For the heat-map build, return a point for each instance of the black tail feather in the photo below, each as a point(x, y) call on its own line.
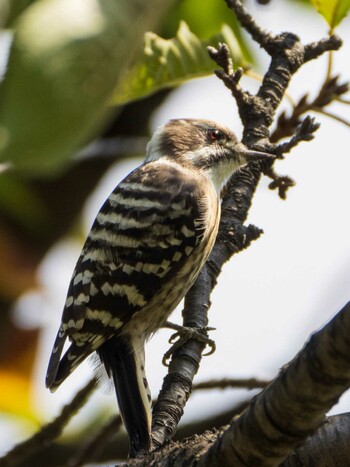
point(54, 362)
point(124, 361)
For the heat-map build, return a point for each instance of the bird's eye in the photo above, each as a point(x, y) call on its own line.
point(215, 135)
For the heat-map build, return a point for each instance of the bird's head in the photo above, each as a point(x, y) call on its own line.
point(202, 145)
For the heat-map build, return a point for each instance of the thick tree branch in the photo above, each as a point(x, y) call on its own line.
point(116, 446)
point(282, 416)
point(329, 446)
point(294, 405)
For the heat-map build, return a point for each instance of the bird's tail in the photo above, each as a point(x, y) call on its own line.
point(59, 369)
point(124, 360)
point(54, 362)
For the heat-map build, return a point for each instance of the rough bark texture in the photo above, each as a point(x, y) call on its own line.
point(329, 446)
point(283, 415)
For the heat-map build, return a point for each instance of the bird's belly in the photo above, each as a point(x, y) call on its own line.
point(156, 312)
point(154, 315)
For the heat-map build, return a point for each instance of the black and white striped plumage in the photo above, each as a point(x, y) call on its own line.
point(143, 253)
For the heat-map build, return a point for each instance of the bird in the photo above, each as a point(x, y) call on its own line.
point(144, 251)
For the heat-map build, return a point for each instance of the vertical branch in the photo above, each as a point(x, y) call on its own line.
point(257, 113)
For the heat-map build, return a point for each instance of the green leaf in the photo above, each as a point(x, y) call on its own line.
point(66, 59)
point(333, 11)
point(169, 62)
point(205, 20)
point(11, 9)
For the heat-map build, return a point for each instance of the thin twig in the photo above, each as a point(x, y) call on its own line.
point(329, 92)
point(333, 116)
point(343, 101)
point(50, 431)
point(329, 65)
point(96, 444)
point(250, 383)
point(281, 183)
point(259, 34)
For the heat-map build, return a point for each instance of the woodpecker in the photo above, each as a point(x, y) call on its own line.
point(145, 249)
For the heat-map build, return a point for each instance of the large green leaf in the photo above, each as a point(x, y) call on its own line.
point(333, 11)
point(169, 62)
point(66, 58)
point(11, 9)
point(205, 20)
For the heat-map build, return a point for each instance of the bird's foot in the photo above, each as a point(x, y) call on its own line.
point(184, 334)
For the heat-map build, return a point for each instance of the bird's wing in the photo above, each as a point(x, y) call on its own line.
point(143, 234)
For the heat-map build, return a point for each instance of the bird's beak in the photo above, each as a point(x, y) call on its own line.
point(249, 155)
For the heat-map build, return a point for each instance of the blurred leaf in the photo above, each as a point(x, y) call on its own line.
point(333, 11)
point(205, 20)
point(11, 9)
point(67, 56)
point(46, 209)
point(166, 63)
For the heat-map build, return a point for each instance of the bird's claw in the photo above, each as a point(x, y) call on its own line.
point(184, 334)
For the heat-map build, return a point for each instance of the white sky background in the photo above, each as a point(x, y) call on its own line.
point(270, 298)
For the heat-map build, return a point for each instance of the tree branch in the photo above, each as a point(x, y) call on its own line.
point(251, 383)
point(329, 446)
point(282, 416)
point(96, 444)
point(286, 126)
point(257, 113)
point(294, 405)
point(50, 431)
